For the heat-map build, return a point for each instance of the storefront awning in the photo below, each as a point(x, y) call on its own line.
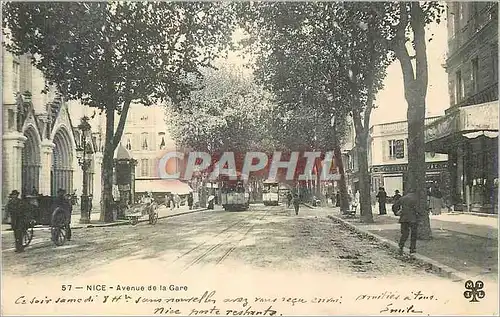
point(465, 122)
point(162, 186)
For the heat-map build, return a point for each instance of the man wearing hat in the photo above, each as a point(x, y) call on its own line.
point(64, 203)
point(18, 220)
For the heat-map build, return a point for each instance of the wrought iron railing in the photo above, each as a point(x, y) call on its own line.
point(488, 94)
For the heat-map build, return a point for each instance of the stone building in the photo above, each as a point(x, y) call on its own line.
point(147, 139)
point(468, 132)
point(388, 158)
point(38, 139)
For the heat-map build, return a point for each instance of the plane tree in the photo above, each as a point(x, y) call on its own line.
point(325, 46)
point(111, 54)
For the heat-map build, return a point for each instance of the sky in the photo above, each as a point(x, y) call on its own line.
point(390, 102)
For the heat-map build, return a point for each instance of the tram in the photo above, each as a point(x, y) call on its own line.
point(234, 194)
point(270, 193)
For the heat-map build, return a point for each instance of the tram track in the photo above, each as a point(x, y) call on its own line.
point(232, 225)
point(237, 227)
point(235, 245)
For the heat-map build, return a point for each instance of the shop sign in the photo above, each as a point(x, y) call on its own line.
point(479, 117)
point(399, 168)
point(441, 127)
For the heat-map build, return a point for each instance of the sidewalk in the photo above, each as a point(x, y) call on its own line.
point(163, 212)
point(465, 243)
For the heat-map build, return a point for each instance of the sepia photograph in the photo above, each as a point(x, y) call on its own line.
point(249, 158)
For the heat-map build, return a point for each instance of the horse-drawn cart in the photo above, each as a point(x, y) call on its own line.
point(44, 211)
point(139, 210)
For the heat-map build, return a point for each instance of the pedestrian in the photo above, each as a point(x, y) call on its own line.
point(355, 202)
point(395, 198)
point(177, 200)
point(337, 199)
point(296, 204)
point(190, 201)
point(435, 200)
point(211, 202)
point(406, 208)
point(65, 205)
point(18, 219)
point(289, 198)
point(382, 198)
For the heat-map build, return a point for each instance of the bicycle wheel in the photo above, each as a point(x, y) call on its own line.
point(27, 236)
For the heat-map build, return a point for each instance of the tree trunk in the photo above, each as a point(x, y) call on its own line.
point(416, 163)
point(415, 83)
point(344, 199)
point(365, 203)
point(107, 169)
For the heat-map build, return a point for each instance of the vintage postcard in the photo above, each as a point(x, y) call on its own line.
point(249, 158)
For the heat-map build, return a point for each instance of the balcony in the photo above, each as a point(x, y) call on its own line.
point(488, 94)
point(475, 25)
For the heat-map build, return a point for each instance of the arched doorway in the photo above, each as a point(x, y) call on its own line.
point(62, 158)
point(30, 162)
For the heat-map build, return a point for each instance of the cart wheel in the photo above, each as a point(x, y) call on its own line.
point(134, 220)
point(27, 236)
point(58, 235)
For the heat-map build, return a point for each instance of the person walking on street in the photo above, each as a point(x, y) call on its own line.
point(18, 219)
point(296, 204)
point(382, 198)
point(355, 202)
point(337, 199)
point(190, 201)
point(395, 198)
point(435, 198)
point(65, 205)
point(289, 199)
point(406, 208)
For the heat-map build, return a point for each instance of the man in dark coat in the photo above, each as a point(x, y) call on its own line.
point(62, 202)
point(296, 203)
point(18, 219)
point(406, 208)
point(382, 198)
point(190, 201)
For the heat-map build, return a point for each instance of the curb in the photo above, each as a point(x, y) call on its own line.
point(439, 268)
point(126, 222)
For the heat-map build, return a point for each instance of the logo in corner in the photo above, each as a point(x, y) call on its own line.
point(474, 291)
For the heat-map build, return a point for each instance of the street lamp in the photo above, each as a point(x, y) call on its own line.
point(84, 160)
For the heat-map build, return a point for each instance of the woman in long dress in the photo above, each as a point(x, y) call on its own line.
point(435, 201)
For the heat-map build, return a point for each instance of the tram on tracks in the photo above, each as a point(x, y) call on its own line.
point(270, 193)
point(235, 195)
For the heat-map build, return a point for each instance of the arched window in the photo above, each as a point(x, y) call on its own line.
point(128, 141)
point(145, 141)
point(162, 140)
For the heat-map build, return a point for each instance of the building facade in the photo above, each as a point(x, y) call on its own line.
point(468, 132)
point(38, 135)
point(388, 159)
point(147, 139)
